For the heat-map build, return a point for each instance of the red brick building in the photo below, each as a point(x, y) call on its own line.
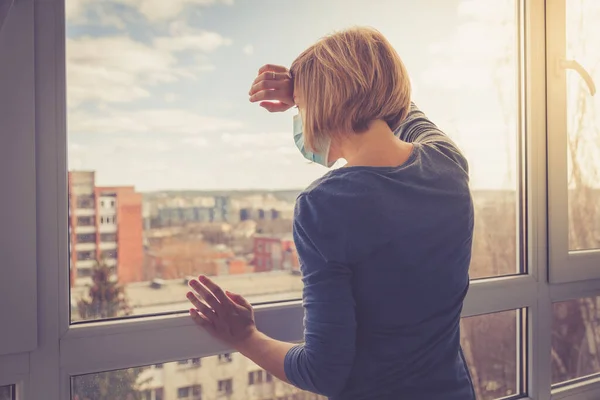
point(105, 223)
point(274, 253)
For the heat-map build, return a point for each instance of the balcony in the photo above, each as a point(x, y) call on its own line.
point(85, 212)
point(83, 264)
point(107, 245)
point(111, 262)
point(107, 228)
point(85, 229)
point(85, 246)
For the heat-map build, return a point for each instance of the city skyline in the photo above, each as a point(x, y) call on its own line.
point(158, 99)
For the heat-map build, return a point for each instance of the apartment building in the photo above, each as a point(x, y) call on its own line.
point(275, 252)
point(225, 376)
point(105, 223)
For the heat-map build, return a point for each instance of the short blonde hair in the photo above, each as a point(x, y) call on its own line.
point(346, 81)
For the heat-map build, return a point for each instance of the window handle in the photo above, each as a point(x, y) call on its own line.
point(575, 66)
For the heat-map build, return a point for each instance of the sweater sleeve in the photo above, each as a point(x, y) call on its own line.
point(417, 128)
point(323, 363)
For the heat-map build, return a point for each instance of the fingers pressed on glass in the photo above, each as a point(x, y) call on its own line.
point(201, 319)
point(199, 304)
point(215, 290)
point(206, 295)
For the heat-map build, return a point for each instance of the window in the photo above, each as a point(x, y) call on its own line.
point(225, 386)
point(84, 272)
point(86, 238)
point(483, 119)
point(108, 237)
point(225, 358)
point(197, 392)
point(183, 393)
point(194, 362)
point(7, 393)
point(255, 377)
point(85, 202)
point(185, 384)
point(86, 255)
point(85, 221)
point(490, 346)
point(575, 337)
point(108, 254)
point(137, 127)
point(574, 140)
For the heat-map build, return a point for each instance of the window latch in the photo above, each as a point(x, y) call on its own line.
point(575, 66)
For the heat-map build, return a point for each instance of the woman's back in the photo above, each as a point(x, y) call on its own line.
point(403, 236)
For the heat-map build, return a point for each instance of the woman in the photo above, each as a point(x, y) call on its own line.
point(384, 242)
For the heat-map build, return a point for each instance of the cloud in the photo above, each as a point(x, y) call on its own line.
point(171, 97)
point(196, 141)
point(77, 11)
point(266, 147)
point(118, 69)
point(263, 140)
point(248, 50)
point(202, 41)
point(115, 69)
point(481, 53)
point(162, 10)
point(170, 121)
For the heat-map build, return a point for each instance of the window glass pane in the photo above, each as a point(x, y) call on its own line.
point(7, 392)
point(174, 173)
point(489, 344)
point(575, 339)
point(583, 122)
point(213, 380)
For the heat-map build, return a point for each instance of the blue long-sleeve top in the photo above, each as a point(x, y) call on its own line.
point(384, 255)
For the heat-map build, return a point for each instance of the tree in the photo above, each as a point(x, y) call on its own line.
point(106, 299)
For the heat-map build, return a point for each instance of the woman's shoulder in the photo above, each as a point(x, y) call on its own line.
point(346, 201)
point(338, 190)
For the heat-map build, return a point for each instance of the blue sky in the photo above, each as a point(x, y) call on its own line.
point(158, 90)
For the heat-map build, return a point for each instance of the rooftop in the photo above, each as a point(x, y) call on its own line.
point(169, 295)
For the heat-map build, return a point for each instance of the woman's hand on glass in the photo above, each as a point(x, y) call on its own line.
point(273, 88)
point(226, 316)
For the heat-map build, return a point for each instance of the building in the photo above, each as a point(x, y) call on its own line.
point(225, 376)
point(105, 224)
point(275, 252)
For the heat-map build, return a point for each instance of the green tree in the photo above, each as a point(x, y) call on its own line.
point(106, 299)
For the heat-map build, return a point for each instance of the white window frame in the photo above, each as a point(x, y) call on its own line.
point(18, 295)
point(44, 369)
point(565, 265)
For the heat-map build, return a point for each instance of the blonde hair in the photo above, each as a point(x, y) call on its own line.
point(346, 81)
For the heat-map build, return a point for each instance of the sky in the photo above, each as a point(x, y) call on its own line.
point(158, 90)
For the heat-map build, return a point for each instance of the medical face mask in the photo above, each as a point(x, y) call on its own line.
point(309, 155)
